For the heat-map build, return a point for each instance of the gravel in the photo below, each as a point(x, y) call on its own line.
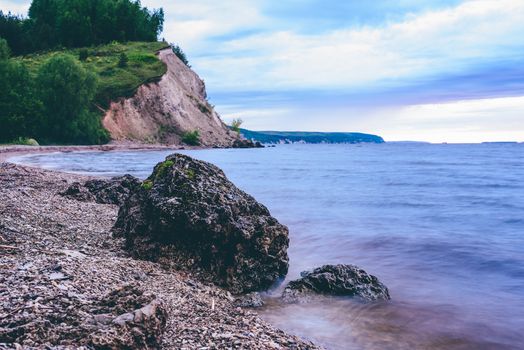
point(65, 282)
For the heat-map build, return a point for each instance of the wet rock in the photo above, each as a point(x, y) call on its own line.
point(338, 280)
point(188, 213)
point(110, 191)
point(244, 143)
point(252, 300)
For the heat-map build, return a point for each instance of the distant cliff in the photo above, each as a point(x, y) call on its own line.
point(161, 112)
point(309, 137)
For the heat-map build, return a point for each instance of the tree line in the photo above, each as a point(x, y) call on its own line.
point(55, 104)
point(53, 107)
point(78, 23)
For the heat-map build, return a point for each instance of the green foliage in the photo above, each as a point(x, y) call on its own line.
point(113, 82)
point(191, 138)
point(190, 174)
point(122, 61)
point(66, 90)
point(147, 185)
point(20, 107)
point(235, 125)
point(78, 23)
point(177, 50)
point(4, 50)
point(83, 54)
point(162, 168)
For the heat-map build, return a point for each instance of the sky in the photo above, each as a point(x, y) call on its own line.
point(427, 70)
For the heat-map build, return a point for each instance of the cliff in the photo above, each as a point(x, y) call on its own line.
point(161, 112)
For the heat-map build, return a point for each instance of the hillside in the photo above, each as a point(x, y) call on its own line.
point(309, 137)
point(167, 110)
point(114, 80)
point(151, 97)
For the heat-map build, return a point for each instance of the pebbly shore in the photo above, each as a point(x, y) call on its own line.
point(66, 282)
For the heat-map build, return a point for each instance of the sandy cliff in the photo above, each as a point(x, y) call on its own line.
point(161, 112)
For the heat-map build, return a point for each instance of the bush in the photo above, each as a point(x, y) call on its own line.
point(177, 50)
point(191, 138)
point(122, 61)
point(27, 141)
point(4, 49)
point(235, 125)
point(83, 54)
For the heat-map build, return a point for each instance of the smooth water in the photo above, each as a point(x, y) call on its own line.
point(441, 225)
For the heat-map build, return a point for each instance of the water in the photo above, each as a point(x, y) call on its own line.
point(441, 225)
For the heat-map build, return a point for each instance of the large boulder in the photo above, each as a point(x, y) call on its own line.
point(338, 280)
point(189, 214)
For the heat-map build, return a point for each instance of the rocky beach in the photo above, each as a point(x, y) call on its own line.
point(67, 282)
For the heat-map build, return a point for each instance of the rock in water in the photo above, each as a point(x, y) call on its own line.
point(340, 280)
point(188, 212)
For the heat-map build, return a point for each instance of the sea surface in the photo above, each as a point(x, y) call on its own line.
point(441, 225)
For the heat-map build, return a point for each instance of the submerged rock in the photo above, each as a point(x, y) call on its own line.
point(189, 214)
point(338, 280)
point(110, 191)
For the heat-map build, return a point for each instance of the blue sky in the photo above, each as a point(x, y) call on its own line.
point(437, 71)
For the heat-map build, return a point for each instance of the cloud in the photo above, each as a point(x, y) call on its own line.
point(465, 121)
point(431, 43)
point(18, 7)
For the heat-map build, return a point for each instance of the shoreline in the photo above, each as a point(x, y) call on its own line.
point(59, 261)
point(8, 151)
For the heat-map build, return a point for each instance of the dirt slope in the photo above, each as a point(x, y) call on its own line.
point(161, 112)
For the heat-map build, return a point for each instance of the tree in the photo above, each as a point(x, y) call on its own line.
point(20, 108)
point(177, 50)
point(66, 90)
point(78, 23)
point(4, 50)
point(235, 125)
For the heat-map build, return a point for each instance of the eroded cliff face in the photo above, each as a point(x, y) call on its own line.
point(161, 112)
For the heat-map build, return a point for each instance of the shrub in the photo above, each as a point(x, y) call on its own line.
point(83, 54)
point(177, 50)
point(147, 185)
point(4, 49)
point(122, 61)
point(191, 138)
point(235, 125)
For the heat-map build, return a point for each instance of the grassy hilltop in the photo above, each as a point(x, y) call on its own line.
point(114, 80)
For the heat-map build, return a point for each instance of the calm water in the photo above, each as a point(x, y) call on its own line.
point(441, 225)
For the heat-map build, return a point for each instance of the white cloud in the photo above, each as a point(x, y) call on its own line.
point(192, 23)
point(492, 119)
point(15, 7)
point(433, 42)
point(495, 119)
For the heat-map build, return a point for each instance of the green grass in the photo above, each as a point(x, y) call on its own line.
point(113, 81)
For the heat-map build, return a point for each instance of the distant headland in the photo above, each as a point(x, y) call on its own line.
point(309, 137)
